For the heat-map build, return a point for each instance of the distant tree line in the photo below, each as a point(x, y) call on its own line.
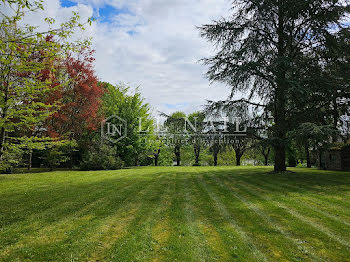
point(289, 59)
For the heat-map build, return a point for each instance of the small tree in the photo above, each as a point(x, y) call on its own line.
point(176, 132)
point(58, 154)
point(136, 113)
point(312, 135)
point(196, 133)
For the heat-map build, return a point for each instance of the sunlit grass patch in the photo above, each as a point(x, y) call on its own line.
point(176, 213)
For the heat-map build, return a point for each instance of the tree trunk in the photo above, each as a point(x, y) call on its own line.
point(239, 151)
point(156, 157)
point(238, 159)
point(308, 160)
point(137, 163)
point(30, 160)
point(2, 141)
point(320, 160)
point(215, 158)
point(266, 162)
point(3, 116)
point(280, 90)
point(178, 160)
point(197, 151)
point(280, 158)
point(178, 155)
point(265, 151)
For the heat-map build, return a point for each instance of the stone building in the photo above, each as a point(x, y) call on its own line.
point(336, 158)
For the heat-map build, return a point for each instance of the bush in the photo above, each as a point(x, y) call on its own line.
point(103, 157)
point(58, 154)
point(10, 159)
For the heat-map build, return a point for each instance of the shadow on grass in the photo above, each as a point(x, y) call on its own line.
point(63, 197)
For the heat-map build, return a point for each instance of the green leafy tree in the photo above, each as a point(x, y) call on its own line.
point(156, 148)
point(264, 47)
point(311, 135)
point(26, 55)
point(132, 108)
point(196, 130)
point(176, 131)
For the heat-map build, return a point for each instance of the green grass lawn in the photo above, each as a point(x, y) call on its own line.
point(176, 214)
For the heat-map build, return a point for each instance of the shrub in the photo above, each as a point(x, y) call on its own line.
point(103, 157)
point(10, 159)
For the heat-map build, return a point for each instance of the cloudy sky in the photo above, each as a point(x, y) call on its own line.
point(150, 44)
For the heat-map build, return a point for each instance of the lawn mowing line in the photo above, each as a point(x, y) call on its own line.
point(60, 223)
point(95, 200)
point(222, 209)
point(304, 187)
point(312, 206)
point(297, 215)
point(65, 221)
point(130, 205)
point(120, 231)
point(43, 202)
point(160, 231)
point(193, 227)
point(202, 249)
point(35, 181)
point(327, 198)
point(138, 238)
point(180, 240)
point(267, 218)
point(223, 240)
point(340, 182)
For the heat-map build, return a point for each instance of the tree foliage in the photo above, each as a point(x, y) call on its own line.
point(266, 50)
point(28, 60)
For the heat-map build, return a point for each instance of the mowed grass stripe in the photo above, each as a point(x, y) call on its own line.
point(308, 206)
point(136, 244)
point(316, 240)
point(290, 245)
point(316, 202)
point(44, 200)
point(334, 179)
point(115, 226)
point(186, 243)
point(316, 185)
point(55, 215)
point(198, 245)
point(175, 214)
point(74, 228)
point(315, 215)
point(218, 241)
point(306, 195)
point(328, 240)
point(254, 249)
point(222, 234)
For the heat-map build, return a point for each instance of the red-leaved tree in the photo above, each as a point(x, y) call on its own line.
point(78, 97)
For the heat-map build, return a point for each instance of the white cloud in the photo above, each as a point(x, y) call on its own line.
point(154, 45)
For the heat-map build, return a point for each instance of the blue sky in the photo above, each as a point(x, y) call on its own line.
point(67, 3)
point(103, 13)
point(150, 44)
